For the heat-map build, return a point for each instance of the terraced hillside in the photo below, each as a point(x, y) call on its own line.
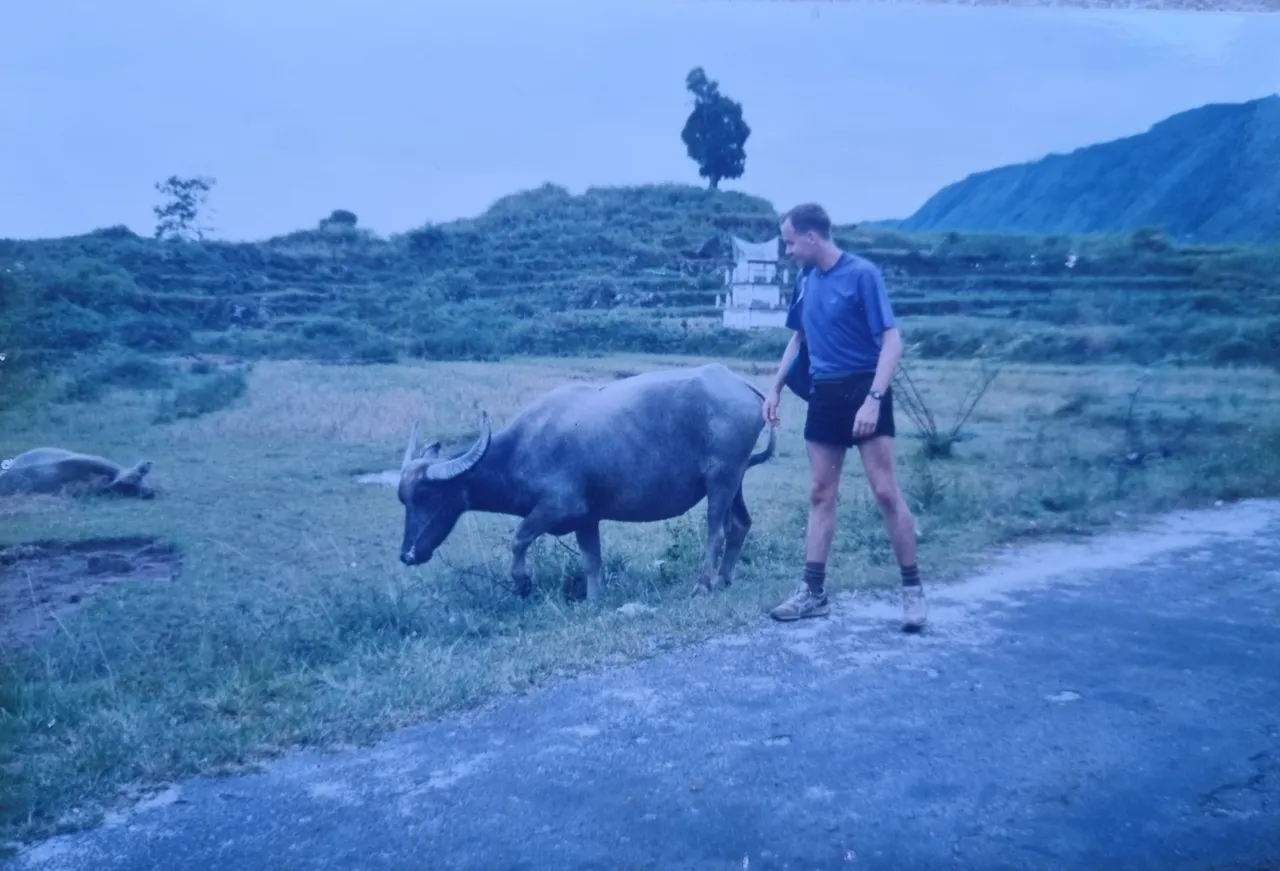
point(617, 269)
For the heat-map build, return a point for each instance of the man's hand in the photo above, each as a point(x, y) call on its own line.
point(864, 424)
point(771, 400)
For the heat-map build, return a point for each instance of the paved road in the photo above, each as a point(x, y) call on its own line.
point(1074, 708)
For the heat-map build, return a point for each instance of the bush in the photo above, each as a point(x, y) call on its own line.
point(212, 393)
point(64, 326)
point(378, 350)
point(116, 368)
point(153, 333)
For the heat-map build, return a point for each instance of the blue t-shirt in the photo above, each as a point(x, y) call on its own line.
point(842, 313)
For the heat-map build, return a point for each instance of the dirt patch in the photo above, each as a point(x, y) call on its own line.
point(42, 582)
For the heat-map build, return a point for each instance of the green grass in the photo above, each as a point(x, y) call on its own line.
point(293, 624)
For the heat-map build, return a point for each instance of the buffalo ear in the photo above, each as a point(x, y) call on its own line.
point(430, 452)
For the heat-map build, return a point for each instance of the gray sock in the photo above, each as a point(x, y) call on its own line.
point(815, 575)
point(910, 575)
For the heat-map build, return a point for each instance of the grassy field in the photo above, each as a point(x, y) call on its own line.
point(290, 622)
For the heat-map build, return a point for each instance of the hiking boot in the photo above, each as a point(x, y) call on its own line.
point(802, 603)
point(913, 608)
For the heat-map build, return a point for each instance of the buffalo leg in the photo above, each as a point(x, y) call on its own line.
point(719, 504)
point(592, 562)
point(538, 522)
point(735, 536)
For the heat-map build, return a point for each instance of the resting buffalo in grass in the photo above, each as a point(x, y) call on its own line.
point(645, 448)
point(54, 470)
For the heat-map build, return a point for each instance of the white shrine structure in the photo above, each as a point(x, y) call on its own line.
point(757, 293)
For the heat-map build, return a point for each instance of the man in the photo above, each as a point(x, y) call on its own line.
point(842, 317)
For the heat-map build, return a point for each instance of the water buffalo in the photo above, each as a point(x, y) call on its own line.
point(644, 448)
point(54, 470)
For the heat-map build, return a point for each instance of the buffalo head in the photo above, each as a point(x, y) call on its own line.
point(433, 492)
point(131, 481)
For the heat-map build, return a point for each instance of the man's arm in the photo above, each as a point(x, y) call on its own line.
point(883, 323)
point(788, 355)
point(887, 364)
point(794, 323)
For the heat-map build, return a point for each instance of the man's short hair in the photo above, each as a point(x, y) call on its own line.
point(808, 217)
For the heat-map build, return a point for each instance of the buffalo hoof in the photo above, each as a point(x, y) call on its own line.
point(710, 585)
point(574, 590)
point(524, 585)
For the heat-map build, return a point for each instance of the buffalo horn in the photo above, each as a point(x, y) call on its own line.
point(448, 469)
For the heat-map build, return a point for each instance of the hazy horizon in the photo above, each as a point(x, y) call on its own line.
point(407, 113)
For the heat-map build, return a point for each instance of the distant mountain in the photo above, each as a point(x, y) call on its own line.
point(1210, 174)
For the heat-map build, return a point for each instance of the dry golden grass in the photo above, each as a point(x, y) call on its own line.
point(293, 623)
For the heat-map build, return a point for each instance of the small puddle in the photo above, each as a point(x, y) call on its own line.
point(390, 478)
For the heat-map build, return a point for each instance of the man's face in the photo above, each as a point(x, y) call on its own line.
point(803, 248)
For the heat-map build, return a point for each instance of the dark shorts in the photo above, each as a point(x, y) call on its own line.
point(834, 404)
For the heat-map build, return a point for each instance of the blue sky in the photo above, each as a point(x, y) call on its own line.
point(406, 111)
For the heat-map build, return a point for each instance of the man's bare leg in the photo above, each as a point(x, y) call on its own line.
point(878, 461)
point(826, 462)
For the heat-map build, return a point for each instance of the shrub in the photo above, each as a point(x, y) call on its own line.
point(116, 368)
point(212, 393)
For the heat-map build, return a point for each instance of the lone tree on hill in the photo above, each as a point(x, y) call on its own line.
point(340, 228)
point(714, 134)
point(176, 219)
point(339, 219)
